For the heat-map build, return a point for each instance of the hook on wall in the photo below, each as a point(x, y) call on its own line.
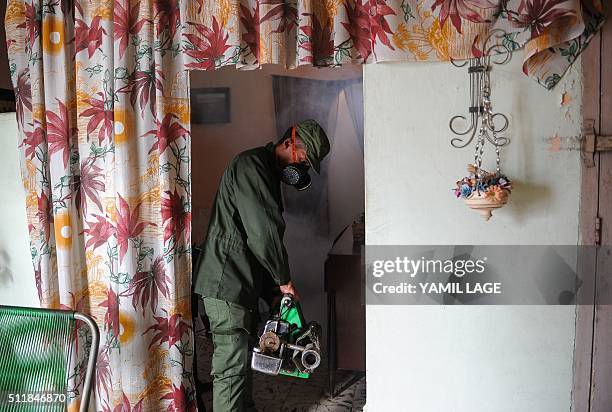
point(495, 50)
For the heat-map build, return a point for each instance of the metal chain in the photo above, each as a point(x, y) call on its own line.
point(486, 125)
point(497, 157)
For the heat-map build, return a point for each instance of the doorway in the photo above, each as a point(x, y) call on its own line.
point(593, 354)
point(235, 110)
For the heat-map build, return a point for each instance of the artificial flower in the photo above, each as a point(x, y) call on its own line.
point(497, 193)
point(465, 190)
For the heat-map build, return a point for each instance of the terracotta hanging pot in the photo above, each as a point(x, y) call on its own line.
point(483, 191)
point(485, 204)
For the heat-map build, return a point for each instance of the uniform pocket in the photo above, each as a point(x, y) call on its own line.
point(239, 317)
point(230, 357)
point(227, 318)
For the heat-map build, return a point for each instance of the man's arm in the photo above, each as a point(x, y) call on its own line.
point(262, 219)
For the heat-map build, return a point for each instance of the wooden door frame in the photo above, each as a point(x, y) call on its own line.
point(592, 362)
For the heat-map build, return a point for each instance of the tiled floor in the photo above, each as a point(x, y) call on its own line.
point(285, 394)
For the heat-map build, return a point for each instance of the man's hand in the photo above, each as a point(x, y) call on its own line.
point(290, 289)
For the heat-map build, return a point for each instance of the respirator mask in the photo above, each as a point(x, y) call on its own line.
point(296, 174)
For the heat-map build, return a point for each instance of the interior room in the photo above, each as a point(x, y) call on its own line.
point(304, 205)
point(323, 224)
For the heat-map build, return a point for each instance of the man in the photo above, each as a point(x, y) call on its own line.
point(244, 246)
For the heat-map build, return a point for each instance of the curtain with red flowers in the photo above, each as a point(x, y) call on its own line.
point(102, 97)
point(103, 112)
point(249, 33)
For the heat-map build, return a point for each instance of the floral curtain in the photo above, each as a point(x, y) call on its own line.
point(249, 33)
point(103, 111)
point(102, 96)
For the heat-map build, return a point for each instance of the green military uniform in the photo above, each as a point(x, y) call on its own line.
point(244, 244)
point(245, 231)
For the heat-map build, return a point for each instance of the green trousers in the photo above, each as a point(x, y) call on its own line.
point(231, 326)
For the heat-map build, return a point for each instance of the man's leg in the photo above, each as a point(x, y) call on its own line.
point(230, 325)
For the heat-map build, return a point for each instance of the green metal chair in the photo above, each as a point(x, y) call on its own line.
point(35, 349)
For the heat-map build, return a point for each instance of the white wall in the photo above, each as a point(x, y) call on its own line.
point(471, 358)
point(17, 285)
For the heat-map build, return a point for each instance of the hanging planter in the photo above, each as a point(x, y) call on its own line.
point(485, 192)
point(482, 191)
